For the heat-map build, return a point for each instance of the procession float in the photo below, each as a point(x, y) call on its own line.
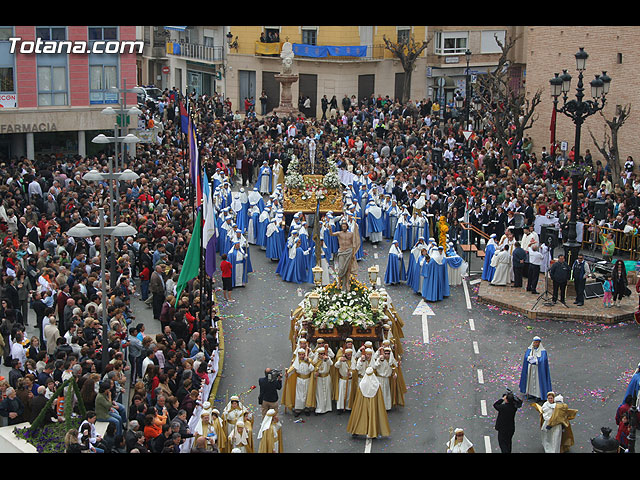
point(359, 313)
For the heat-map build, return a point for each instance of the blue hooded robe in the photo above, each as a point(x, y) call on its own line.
point(395, 272)
point(402, 234)
point(544, 374)
point(634, 385)
point(265, 171)
point(374, 225)
point(413, 267)
point(275, 244)
point(261, 230)
point(435, 285)
point(298, 270)
point(231, 257)
point(487, 270)
point(284, 255)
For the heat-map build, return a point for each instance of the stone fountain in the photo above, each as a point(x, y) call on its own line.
point(286, 79)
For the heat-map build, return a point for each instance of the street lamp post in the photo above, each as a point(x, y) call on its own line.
point(96, 176)
point(477, 112)
point(467, 94)
point(578, 110)
point(122, 114)
point(127, 139)
point(83, 231)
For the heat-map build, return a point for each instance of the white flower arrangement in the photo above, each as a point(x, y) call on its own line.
point(294, 179)
point(331, 179)
point(343, 308)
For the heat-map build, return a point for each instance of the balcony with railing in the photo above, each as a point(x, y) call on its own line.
point(194, 51)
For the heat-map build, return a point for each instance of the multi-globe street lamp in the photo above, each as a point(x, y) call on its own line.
point(577, 110)
point(81, 230)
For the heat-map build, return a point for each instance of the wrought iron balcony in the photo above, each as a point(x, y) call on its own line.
point(195, 51)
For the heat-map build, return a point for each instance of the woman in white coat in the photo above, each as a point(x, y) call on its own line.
point(551, 436)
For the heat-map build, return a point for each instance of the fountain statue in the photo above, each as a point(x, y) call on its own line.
point(286, 79)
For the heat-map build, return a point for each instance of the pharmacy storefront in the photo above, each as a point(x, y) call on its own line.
point(34, 133)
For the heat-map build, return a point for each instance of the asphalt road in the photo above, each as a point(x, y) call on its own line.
point(454, 371)
point(453, 375)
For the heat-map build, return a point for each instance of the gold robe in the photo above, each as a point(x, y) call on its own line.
point(562, 415)
point(337, 377)
point(289, 390)
point(231, 417)
point(398, 387)
point(248, 425)
point(268, 440)
point(218, 427)
point(368, 416)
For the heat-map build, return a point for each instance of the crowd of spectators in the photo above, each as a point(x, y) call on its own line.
point(54, 281)
point(51, 282)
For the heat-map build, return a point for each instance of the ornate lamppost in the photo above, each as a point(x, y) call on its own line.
point(578, 110)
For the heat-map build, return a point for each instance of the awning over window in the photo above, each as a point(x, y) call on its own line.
point(178, 29)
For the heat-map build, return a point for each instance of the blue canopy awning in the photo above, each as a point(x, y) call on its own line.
point(179, 29)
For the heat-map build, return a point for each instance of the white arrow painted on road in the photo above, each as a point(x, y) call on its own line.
point(424, 310)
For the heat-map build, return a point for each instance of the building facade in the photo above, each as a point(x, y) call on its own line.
point(188, 58)
point(52, 102)
point(325, 67)
point(552, 49)
point(54, 83)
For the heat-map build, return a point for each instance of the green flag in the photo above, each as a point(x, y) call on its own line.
point(191, 265)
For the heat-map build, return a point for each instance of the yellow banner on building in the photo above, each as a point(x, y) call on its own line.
point(268, 48)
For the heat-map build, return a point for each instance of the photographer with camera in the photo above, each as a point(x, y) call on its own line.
point(507, 407)
point(269, 386)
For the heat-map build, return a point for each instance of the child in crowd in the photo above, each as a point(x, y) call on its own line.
point(607, 300)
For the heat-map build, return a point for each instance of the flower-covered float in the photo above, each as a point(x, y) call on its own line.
point(302, 192)
point(332, 314)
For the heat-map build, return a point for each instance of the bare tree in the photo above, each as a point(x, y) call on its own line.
point(511, 111)
point(609, 146)
point(407, 50)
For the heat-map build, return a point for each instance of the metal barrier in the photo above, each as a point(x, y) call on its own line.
point(625, 242)
point(470, 247)
point(469, 227)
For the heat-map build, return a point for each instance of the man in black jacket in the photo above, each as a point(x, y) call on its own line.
point(38, 403)
point(559, 274)
point(476, 220)
point(519, 257)
point(269, 386)
point(157, 444)
point(507, 407)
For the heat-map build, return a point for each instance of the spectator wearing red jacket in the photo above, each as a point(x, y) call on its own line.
point(225, 268)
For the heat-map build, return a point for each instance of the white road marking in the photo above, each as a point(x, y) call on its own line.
point(475, 348)
point(480, 376)
point(424, 310)
point(476, 281)
point(472, 325)
point(487, 444)
point(466, 294)
point(483, 408)
point(367, 446)
point(425, 328)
